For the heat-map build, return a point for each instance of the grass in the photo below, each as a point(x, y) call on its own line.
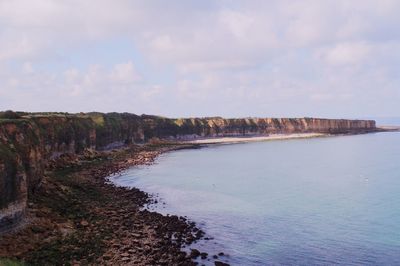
point(18, 121)
point(98, 119)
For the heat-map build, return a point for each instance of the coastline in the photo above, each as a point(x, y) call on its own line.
point(78, 217)
point(30, 140)
point(232, 140)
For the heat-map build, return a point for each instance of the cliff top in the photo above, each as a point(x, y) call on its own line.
point(21, 115)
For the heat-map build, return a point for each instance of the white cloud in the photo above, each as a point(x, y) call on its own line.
point(345, 53)
point(27, 68)
point(125, 73)
point(249, 55)
point(16, 48)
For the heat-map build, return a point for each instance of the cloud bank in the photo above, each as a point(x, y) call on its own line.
point(201, 58)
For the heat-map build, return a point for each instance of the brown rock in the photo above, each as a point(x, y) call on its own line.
point(84, 223)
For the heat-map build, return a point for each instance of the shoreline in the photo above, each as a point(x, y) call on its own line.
point(279, 136)
point(78, 217)
point(245, 139)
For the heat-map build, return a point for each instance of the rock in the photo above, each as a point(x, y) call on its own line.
point(135, 235)
point(220, 263)
point(37, 230)
point(84, 223)
point(204, 255)
point(194, 253)
point(129, 234)
point(37, 140)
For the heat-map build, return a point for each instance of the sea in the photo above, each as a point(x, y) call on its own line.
point(319, 201)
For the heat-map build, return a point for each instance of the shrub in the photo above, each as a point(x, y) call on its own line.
point(9, 115)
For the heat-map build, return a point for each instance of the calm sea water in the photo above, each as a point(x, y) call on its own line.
point(319, 201)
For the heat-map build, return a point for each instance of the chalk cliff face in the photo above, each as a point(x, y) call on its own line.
point(28, 141)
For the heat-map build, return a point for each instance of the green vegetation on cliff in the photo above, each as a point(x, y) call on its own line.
point(29, 140)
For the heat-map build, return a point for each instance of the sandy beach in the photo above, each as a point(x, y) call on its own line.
point(229, 140)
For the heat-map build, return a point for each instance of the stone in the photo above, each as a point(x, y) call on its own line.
point(194, 253)
point(220, 263)
point(203, 255)
point(84, 223)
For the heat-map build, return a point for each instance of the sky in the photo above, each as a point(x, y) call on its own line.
point(331, 58)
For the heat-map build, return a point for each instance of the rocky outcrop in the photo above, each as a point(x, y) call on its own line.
point(29, 141)
point(20, 168)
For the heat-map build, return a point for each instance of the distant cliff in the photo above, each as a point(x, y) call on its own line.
point(28, 141)
point(217, 127)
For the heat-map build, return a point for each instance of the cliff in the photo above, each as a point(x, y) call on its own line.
point(220, 127)
point(29, 140)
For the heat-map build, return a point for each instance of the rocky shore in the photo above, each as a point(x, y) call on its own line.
point(55, 196)
point(29, 141)
point(76, 217)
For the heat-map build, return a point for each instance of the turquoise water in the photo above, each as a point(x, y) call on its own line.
point(319, 201)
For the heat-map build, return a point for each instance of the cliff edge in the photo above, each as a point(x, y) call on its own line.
point(28, 141)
